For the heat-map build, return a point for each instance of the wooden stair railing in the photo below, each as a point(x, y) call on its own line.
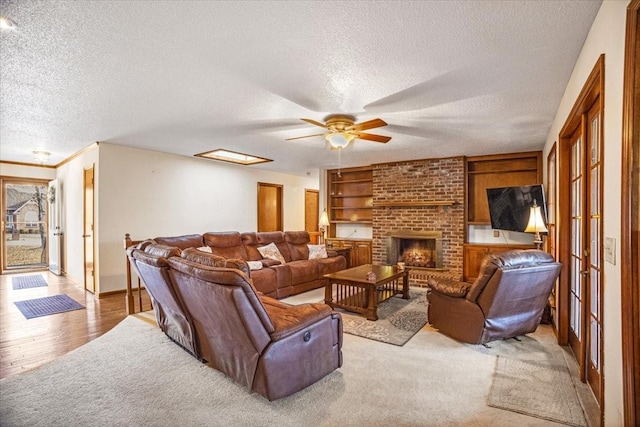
point(130, 301)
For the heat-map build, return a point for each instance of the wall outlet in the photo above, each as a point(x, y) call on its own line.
point(496, 233)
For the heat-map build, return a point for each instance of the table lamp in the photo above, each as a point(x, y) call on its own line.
point(536, 224)
point(324, 222)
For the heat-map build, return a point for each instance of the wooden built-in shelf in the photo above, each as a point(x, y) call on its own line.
point(414, 204)
point(352, 181)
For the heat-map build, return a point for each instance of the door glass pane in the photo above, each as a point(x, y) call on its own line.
point(595, 190)
point(595, 136)
point(594, 232)
point(595, 344)
point(26, 225)
point(575, 317)
point(595, 293)
point(576, 287)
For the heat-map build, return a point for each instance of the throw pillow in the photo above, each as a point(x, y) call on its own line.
point(255, 265)
point(317, 251)
point(271, 252)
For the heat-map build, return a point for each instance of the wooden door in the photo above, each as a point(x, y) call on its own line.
point(579, 231)
point(311, 213)
point(269, 207)
point(88, 236)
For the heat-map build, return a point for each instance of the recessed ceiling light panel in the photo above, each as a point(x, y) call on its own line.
point(232, 157)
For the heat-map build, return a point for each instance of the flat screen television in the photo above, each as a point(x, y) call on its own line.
point(509, 206)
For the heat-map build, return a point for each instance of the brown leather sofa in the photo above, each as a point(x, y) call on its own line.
point(150, 263)
point(298, 274)
point(208, 305)
point(506, 300)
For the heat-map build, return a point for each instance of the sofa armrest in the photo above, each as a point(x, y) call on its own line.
point(450, 287)
point(269, 262)
point(332, 253)
point(289, 320)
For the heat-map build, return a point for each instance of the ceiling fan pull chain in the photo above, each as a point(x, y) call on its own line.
point(339, 161)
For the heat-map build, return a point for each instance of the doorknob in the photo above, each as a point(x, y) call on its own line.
point(86, 235)
point(585, 272)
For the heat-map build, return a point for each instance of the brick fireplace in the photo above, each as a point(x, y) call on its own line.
point(413, 200)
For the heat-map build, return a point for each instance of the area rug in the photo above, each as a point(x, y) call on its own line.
point(540, 390)
point(398, 319)
point(25, 282)
point(39, 307)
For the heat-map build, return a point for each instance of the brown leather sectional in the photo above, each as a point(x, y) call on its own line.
point(208, 305)
point(298, 274)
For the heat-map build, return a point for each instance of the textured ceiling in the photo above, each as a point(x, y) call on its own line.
point(450, 77)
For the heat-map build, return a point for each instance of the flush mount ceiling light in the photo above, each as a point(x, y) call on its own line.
point(41, 156)
point(232, 157)
point(7, 24)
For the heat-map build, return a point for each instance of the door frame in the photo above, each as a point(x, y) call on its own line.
point(592, 91)
point(280, 204)
point(84, 227)
point(630, 238)
point(18, 181)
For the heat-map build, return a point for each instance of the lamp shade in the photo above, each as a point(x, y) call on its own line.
point(339, 139)
point(536, 223)
point(324, 219)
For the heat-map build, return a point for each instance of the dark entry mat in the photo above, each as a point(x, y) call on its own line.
point(24, 282)
point(48, 305)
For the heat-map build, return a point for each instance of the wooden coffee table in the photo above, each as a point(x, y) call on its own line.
point(354, 292)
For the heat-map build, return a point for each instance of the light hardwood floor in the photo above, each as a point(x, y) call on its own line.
point(28, 343)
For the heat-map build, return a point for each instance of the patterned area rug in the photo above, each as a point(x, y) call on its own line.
point(543, 391)
point(398, 319)
point(39, 307)
point(24, 282)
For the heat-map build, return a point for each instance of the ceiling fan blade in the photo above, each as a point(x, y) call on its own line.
point(313, 122)
point(306, 136)
point(372, 137)
point(375, 123)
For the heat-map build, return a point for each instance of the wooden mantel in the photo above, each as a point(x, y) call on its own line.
point(413, 204)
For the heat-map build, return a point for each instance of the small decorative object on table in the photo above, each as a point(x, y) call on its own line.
point(371, 276)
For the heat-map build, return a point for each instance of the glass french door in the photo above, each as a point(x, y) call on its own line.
point(25, 225)
point(585, 294)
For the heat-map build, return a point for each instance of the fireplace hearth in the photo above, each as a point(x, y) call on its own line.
point(417, 249)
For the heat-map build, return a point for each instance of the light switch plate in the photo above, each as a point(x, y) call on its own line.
point(610, 250)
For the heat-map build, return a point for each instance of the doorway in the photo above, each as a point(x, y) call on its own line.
point(269, 207)
point(311, 210)
point(581, 179)
point(88, 236)
point(25, 224)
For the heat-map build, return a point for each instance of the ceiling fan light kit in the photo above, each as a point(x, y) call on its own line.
point(339, 140)
point(342, 130)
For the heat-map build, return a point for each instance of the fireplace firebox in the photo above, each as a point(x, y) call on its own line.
point(418, 249)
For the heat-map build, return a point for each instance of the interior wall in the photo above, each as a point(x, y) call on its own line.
point(606, 36)
point(150, 194)
point(26, 171)
point(70, 193)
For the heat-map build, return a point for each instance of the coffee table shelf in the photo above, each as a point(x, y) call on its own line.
point(355, 292)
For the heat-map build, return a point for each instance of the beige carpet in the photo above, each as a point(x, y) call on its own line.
point(134, 375)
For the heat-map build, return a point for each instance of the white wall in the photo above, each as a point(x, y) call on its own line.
point(150, 194)
point(24, 171)
point(606, 36)
point(70, 193)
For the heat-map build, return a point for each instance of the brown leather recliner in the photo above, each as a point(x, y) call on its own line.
point(149, 260)
point(506, 300)
point(273, 348)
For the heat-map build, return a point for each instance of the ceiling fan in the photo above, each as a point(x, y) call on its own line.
point(342, 130)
